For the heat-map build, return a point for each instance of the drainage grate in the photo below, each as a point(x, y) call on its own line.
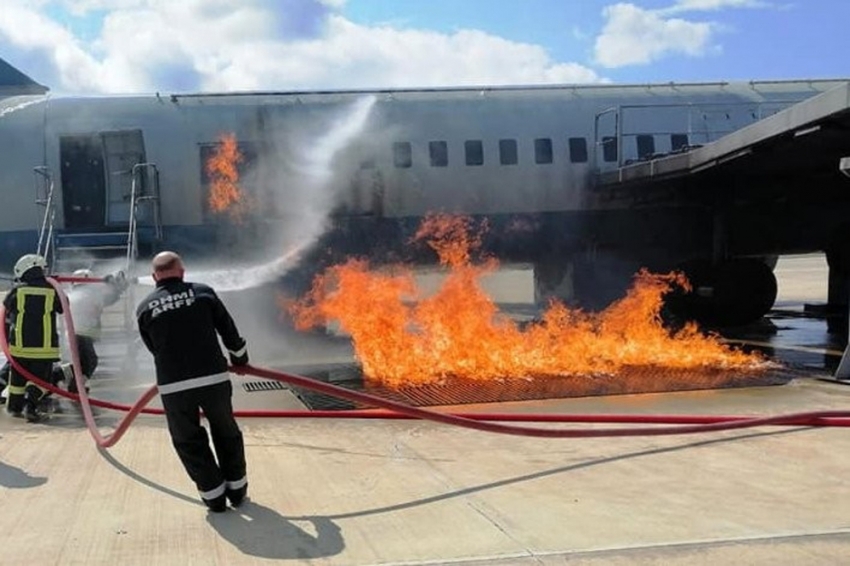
point(252, 386)
point(461, 391)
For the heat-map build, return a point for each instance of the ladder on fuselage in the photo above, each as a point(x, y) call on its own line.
point(120, 250)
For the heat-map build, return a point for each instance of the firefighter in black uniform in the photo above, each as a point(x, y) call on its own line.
point(179, 323)
point(31, 309)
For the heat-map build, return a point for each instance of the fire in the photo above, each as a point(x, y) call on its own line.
point(222, 169)
point(403, 338)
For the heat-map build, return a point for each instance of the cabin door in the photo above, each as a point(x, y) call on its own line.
point(83, 183)
point(606, 134)
point(97, 176)
point(121, 151)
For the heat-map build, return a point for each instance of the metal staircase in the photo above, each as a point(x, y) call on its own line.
point(44, 196)
point(146, 201)
point(66, 251)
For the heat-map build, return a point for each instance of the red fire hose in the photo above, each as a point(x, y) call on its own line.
point(689, 424)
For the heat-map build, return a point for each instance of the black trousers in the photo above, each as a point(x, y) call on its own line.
point(182, 411)
point(22, 391)
point(88, 355)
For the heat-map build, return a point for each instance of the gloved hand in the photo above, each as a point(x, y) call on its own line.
point(239, 360)
point(121, 280)
point(117, 280)
point(235, 358)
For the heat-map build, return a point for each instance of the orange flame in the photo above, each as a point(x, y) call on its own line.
point(222, 168)
point(401, 338)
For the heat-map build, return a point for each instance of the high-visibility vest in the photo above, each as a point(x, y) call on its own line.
point(33, 325)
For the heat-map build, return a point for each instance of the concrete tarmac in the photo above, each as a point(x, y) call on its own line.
point(356, 492)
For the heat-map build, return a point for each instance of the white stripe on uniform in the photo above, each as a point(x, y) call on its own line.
point(238, 483)
point(240, 352)
point(193, 383)
point(213, 493)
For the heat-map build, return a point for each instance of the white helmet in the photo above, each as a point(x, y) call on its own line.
point(27, 262)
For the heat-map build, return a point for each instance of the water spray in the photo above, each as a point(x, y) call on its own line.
point(21, 106)
point(314, 173)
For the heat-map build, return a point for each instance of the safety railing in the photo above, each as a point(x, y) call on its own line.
point(44, 196)
point(702, 123)
point(143, 174)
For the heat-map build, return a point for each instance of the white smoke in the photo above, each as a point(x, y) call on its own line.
point(308, 196)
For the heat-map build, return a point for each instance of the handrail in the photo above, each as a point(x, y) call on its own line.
point(45, 245)
point(696, 134)
point(132, 235)
point(135, 199)
point(131, 229)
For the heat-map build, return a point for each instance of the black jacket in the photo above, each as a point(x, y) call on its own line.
point(30, 306)
point(178, 323)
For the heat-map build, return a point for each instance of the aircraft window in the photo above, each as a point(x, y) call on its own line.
point(609, 148)
point(439, 152)
point(578, 150)
point(474, 152)
point(508, 154)
point(402, 155)
point(543, 150)
point(645, 145)
point(251, 186)
point(678, 141)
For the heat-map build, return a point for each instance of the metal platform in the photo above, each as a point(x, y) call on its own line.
point(818, 116)
point(450, 391)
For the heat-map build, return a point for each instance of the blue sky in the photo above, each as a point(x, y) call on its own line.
point(110, 46)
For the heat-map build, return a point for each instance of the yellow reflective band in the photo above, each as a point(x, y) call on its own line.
point(36, 353)
point(19, 319)
point(48, 318)
point(17, 389)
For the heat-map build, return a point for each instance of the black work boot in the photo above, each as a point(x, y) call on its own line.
point(31, 412)
point(15, 405)
point(237, 496)
point(217, 505)
point(32, 399)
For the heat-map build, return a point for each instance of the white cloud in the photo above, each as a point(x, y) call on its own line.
point(712, 5)
point(31, 31)
point(633, 36)
point(357, 56)
point(146, 45)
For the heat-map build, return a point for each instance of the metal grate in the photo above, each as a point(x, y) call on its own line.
point(461, 391)
point(252, 386)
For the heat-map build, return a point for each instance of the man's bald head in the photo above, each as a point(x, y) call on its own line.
point(166, 265)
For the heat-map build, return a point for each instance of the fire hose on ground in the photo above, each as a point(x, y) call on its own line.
point(686, 424)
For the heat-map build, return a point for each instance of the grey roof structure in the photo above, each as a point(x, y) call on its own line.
point(13, 82)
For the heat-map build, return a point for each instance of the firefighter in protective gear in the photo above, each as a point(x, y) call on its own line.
point(87, 302)
point(180, 323)
point(31, 308)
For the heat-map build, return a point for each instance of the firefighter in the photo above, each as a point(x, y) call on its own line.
point(31, 308)
point(180, 323)
point(87, 301)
